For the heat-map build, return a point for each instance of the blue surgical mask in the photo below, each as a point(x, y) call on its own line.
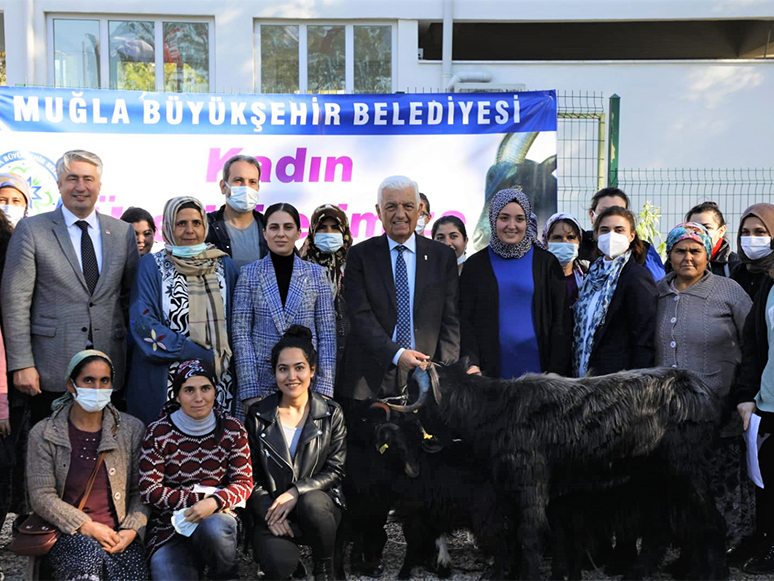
point(566, 252)
point(242, 198)
point(329, 242)
point(186, 251)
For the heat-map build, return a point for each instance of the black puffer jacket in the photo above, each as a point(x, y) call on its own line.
point(320, 454)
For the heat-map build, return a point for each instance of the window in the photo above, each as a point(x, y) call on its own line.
point(142, 55)
point(324, 58)
point(593, 41)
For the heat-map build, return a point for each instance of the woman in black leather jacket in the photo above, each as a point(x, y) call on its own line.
point(298, 444)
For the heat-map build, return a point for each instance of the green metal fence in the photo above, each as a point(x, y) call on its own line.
point(580, 150)
point(677, 190)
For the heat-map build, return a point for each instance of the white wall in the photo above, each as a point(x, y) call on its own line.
point(673, 114)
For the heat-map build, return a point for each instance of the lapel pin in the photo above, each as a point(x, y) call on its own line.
point(108, 232)
point(425, 256)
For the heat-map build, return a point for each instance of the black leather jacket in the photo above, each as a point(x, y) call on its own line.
point(320, 454)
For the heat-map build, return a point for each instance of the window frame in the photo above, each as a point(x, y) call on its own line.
point(303, 42)
point(104, 42)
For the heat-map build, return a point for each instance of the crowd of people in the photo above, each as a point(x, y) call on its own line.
point(247, 358)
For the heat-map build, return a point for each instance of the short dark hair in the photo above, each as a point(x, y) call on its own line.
point(706, 207)
point(283, 207)
point(236, 158)
point(133, 214)
point(91, 359)
point(425, 200)
point(608, 193)
point(298, 337)
point(454, 221)
point(637, 247)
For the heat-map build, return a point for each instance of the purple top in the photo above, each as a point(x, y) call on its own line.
point(83, 457)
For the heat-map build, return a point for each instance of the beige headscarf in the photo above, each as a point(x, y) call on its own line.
point(206, 311)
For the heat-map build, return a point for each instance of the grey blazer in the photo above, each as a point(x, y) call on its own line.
point(47, 309)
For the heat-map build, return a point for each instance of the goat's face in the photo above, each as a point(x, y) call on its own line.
point(397, 438)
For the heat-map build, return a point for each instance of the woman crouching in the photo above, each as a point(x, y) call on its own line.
point(195, 468)
point(100, 537)
point(298, 440)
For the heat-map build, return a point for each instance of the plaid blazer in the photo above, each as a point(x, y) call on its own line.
point(259, 321)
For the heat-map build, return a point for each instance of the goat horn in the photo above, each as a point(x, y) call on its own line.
point(424, 388)
point(382, 406)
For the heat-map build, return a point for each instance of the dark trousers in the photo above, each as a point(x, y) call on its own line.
point(764, 497)
point(40, 405)
point(314, 521)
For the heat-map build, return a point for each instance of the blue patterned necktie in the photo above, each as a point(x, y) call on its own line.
point(403, 328)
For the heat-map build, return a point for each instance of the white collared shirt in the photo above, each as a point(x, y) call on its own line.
point(75, 233)
point(410, 258)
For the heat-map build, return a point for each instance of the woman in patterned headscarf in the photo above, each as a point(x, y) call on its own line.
point(699, 325)
point(513, 313)
point(327, 244)
point(179, 309)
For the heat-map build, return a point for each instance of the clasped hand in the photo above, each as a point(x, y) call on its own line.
point(112, 541)
point(277, 515)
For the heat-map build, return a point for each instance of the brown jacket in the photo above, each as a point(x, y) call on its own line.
point(48, 462)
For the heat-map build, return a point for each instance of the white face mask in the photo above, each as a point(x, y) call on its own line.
point(613, 244)
point(756, 247)
point(13, 213)
point(92, 400)
point(421, 224)
point(329, 242)
point(242, 198)
point(566, 252)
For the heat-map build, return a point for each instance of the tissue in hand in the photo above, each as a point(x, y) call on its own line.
point(182, 526)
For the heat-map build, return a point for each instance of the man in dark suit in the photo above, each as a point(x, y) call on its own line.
point(379, 353)
point(66, 285)
point(401, 294)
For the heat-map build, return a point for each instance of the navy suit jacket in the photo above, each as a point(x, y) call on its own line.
point(369, 289)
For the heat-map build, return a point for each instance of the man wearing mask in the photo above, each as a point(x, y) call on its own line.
point(66, 285)
point(14, 197)
point(237, 227)
point(424, 214)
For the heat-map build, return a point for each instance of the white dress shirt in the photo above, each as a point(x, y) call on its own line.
point(410, 258)
point(75, 234)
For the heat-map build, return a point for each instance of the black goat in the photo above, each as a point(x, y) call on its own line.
point(530, 430)
point(444, 489)
point(368, 485)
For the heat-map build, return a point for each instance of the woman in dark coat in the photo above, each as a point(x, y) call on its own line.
point(513, 298)
point(298, 443)
point(615, 316)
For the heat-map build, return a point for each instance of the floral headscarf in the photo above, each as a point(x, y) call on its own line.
point(499, 201)
point(333, 262)
point(689, 231)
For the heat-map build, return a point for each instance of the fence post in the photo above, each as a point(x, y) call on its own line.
point(612, 141)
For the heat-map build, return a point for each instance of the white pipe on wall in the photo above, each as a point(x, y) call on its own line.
point(446, 53)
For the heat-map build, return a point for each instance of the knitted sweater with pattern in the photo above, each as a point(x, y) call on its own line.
point(173, 462)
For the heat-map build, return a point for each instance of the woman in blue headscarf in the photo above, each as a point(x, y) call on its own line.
point(513, 310)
